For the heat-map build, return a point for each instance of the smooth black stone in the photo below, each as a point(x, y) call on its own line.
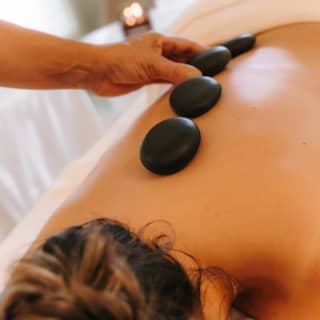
point(170, 145)
point(195, 96)
point(211, 61)
point(240, 44)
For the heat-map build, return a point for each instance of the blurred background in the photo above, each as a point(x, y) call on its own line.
point(74, 18)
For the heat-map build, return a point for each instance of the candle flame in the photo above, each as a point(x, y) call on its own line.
point(133, 14)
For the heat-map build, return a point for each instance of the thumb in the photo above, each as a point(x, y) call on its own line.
point(175, 72)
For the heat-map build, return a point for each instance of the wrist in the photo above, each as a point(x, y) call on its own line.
point(106, 67)
point(78, 67)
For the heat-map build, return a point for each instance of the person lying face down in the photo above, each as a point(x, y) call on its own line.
point(102, 270)
point(247, 204)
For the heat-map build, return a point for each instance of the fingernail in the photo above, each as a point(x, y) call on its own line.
point(194, 73)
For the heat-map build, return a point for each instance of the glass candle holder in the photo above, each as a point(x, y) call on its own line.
point(135, 19)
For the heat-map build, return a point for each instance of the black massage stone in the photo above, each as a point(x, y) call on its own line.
point(212, 61)
point(170, 145)
point(240, 44)
point(195, 96)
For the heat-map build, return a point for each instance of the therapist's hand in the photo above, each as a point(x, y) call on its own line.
point(36, 60)
point(151, 58)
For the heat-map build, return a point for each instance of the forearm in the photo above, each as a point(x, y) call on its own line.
point(31, 59)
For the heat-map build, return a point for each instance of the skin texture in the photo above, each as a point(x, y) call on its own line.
point(32, 59)
point(248, 203)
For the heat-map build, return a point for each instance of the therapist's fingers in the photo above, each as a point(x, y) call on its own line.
point(180, 49)
point(174, 48)
point(150, 58)
point(172, 72)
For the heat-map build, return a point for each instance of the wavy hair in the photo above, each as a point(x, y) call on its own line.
point(100, 271)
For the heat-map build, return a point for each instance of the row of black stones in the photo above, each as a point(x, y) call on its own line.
point(171, 144)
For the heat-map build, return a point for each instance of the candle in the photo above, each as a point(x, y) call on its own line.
point(134, 14)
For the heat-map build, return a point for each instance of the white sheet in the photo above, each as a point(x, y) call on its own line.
point(208, 21)
point(40, 135)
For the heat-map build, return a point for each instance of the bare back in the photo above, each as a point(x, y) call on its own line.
point(249, 201)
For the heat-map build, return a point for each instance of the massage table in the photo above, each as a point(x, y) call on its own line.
point(229, 18)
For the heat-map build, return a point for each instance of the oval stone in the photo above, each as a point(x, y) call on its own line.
point(240, 44)
point(170, 145)
point(211, 61)
point(195, 96)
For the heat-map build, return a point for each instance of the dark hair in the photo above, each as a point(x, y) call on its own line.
point(100, 271)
